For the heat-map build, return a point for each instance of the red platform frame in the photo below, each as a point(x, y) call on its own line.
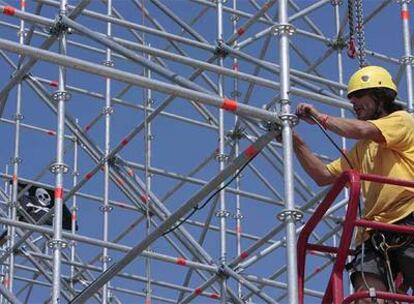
point(334, 292)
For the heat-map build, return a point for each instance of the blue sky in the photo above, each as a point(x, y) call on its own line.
point(178, 146)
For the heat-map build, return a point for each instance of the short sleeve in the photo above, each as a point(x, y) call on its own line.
point(341, 164)
point(397, 129)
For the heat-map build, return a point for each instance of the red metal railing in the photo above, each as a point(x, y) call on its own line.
point(334, 292)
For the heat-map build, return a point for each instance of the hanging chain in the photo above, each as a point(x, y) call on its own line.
point(360, 34)
point(351, 43)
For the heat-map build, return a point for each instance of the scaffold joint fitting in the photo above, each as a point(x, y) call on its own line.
point(105, 208)
point(22, 33)
point(407, 60)
point(18, 117)
point(292, 118)
point(217, 1)
point(237, 134)
point(238, 216)
point(75, 173)
point(337, 44)
point(220, 51)
point(150, 101)
point(105, 259)
point(336, 2)
point(222, 213)
point(234, 17)
point(221, 272)
point(285, 214)
point(15, 160)
point(108, 110)
point(61, 95)
point(402, 1)
point(271, 126)
point(14, 204)
point(59, 168)
point(57, 244)
point(222, 157)
point(108, 63)
point(281, 29)
point(58, 27)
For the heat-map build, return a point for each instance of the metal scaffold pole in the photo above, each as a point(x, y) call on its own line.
point(59, 168)
point(106, 208)
point(407, 60)
point(222, 213)
point(16, 160)
point(290, 214)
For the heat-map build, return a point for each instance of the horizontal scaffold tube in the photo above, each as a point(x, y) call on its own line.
point(85, 66)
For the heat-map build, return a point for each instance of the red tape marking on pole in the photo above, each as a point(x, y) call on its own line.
point(244, 255)
point(251, 151)
point(215, 296)
point(23, 3)
point(88, 175)
point(405, 15)
point(241, 31)
point(52, 133)
point(229, 105)
point(54, 83)
point(9, 10)
point(198, 291)
point(181, 261)
point(59, 192)
point(14, 178)
point(124, 142)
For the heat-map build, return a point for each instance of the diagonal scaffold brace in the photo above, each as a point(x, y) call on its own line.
point(239, 162)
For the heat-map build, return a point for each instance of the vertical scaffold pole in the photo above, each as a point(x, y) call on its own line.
point(106, 208)
point(16, 160)
point(283, 30)
point(407, 60)
point(222, 213)
point(59, 168)
point(236, 94)
point(74, 208)
point(147, 140)
point(339, 46)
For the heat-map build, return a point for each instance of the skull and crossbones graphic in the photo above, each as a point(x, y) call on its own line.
point(43, 198)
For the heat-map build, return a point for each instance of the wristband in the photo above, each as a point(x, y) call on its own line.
point(324, 121)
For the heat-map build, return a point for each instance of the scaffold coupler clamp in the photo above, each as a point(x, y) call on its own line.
point(221, 271)
point(402, 1)
point(285, 214)
point(337, 44)
point(407, 60)
point(59, 27)
point(237, 133)
point(336, 2)
point(290, 117)
point(281, 29)
point(220, 51)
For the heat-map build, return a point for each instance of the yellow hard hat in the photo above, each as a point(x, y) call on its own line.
point(371, 77)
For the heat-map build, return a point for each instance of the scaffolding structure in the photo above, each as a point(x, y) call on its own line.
point(154, 123)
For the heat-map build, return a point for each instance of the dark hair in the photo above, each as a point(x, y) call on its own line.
point(386, 95)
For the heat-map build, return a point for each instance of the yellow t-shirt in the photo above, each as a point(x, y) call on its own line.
point(394, 158)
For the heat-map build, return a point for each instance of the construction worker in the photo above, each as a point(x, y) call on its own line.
point(385, 146)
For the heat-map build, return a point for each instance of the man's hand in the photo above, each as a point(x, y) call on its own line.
point(304, 111)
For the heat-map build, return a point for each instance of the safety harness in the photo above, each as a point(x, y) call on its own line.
point(384, 244)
